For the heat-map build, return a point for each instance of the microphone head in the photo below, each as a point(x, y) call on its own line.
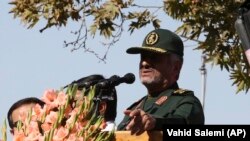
point(115, 80)
point(112, 81)
point(129, 78)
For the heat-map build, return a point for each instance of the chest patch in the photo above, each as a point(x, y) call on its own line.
point(161, 100)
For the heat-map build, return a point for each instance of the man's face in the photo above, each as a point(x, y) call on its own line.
point(156, 71)
point(21, 111)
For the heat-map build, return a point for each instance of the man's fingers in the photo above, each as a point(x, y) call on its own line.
point(137, 129)
point(148, 121)
point(139, 132)
point(131, 124)
point(134, 130)
point(135, 112)
point(148, 125)
point(127, 112)
point(145, 117)
point(140, 121)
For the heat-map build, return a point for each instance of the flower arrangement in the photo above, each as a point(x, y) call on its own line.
point(66, 116)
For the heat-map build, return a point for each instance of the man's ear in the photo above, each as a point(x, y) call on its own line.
point(102, 107)
point(177, 68)
point(178, 65)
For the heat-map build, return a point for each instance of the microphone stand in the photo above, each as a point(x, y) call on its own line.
point(98, 98)
point(203, 80)
point(242, 28)
point(97, 102)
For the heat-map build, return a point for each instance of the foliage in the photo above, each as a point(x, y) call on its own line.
point(4, 132)
point(209, 22)
point(66, 116)
point(107, 17)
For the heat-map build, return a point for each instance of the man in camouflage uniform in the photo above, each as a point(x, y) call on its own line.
point(166, 103)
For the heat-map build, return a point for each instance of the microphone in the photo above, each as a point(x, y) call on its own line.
point(86, 82)
point(115, 80)
point(243, 35)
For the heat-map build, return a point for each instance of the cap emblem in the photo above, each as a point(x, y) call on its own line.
point(152, 38)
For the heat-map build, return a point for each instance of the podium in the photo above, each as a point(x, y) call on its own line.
point(146, 136)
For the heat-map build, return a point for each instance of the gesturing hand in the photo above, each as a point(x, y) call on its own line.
point(140, 121)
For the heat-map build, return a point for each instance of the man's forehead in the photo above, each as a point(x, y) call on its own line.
point(24, 107)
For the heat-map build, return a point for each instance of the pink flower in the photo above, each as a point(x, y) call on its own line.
point(38, 112)
point(70, 127)
point(51, 117)
point(61, 98)
point(32, 136)
point(60, 134)
point(32, 127)
point(41, 138)
point(23, 115)
point(74, 137)
point(71, 118)
point(68, 111)
point(49, 98)
point(46, 127)
point(78, 95)
point(18, 136)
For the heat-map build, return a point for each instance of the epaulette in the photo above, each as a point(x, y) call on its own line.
point(136, 103)
point(181, 91)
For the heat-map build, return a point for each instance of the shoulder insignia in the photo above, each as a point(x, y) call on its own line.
point(136, 104)
point(181, 91)
point(161, 100)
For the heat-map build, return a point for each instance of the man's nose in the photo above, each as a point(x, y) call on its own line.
point(145, 63)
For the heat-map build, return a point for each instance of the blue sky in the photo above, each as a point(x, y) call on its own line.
point(31, 62)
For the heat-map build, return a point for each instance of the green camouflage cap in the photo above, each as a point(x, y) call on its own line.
point(160, 41)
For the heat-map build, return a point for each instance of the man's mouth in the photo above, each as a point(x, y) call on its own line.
point(146, 72)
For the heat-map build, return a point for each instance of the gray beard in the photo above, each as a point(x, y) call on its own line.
point(151, 81)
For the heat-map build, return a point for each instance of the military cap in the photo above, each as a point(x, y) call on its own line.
point(160, 41)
